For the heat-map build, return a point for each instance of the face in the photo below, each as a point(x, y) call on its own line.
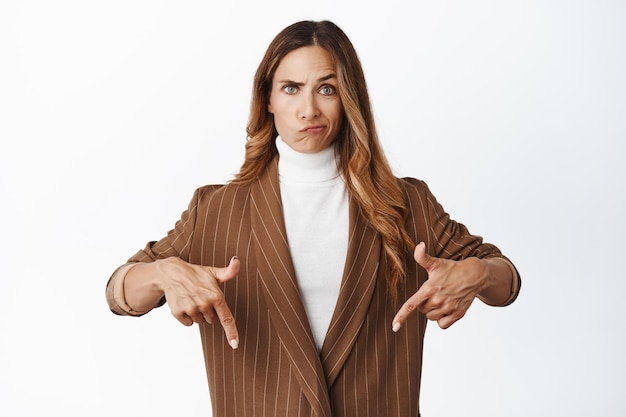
point(304, 100)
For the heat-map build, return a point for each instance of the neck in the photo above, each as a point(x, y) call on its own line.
point(306, 167)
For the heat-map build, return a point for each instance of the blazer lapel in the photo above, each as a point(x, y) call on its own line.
point(280, 288)
point(355, 294)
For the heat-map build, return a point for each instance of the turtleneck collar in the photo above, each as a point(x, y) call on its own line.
point(306, 167)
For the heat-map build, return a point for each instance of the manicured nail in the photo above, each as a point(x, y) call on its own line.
point(234, 344)
point(396, 326)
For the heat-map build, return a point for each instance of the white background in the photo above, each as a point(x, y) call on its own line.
point(112, 113)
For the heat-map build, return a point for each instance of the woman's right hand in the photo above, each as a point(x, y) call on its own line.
point(193, 293)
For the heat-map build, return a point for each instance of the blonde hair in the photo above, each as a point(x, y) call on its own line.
point(368, 176)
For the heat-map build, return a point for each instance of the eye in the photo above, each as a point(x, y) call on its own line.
point(328, 90)
point(290, 89)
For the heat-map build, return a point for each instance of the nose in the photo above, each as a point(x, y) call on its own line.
point(308, 107)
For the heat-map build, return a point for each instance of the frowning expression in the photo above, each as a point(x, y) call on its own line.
point(304, 100)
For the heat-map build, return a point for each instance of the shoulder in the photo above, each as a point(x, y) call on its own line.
point(208, 194)
point(413, 187)
point(208, 190)
point(418, 195)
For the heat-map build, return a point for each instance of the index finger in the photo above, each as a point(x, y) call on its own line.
point(227, 321)
point(408, 308)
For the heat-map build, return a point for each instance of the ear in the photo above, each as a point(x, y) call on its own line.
point(269, 107)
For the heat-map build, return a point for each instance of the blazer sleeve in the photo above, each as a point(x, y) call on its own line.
point(445, 237)
point(177, 243)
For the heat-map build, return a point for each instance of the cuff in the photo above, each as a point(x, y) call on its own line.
point(515, 285)
point(115, 292)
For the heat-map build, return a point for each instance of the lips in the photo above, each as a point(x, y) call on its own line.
point(313, 129)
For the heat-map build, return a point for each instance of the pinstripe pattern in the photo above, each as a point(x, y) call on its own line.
point(364, 369)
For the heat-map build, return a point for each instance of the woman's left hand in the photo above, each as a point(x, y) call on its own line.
point(449, 291)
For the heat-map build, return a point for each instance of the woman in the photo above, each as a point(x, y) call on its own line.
point(317, 238)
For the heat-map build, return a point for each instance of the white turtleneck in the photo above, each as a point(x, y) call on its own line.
point(315, 208)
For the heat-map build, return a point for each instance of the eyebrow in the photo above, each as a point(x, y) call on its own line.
point(322, 79)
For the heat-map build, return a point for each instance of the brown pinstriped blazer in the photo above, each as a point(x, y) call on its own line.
point(364, 369)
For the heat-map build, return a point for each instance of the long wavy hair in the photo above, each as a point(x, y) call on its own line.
point(367, 174)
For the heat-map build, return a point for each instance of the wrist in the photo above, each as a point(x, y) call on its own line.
point(143, 287)
point(166, 270)
point(499, 282)
point(481, 273)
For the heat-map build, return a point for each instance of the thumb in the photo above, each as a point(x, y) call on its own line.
point(228, 272)
point(422, 258)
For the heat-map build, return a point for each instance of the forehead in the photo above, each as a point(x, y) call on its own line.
point(305, 62)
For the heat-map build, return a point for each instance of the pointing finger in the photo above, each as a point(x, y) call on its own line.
point(409, 307)
point(224, 314)
point(227, 321)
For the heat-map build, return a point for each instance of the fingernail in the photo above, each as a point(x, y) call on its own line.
point(233, 259)
point(234, 344)
point(396, 326)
